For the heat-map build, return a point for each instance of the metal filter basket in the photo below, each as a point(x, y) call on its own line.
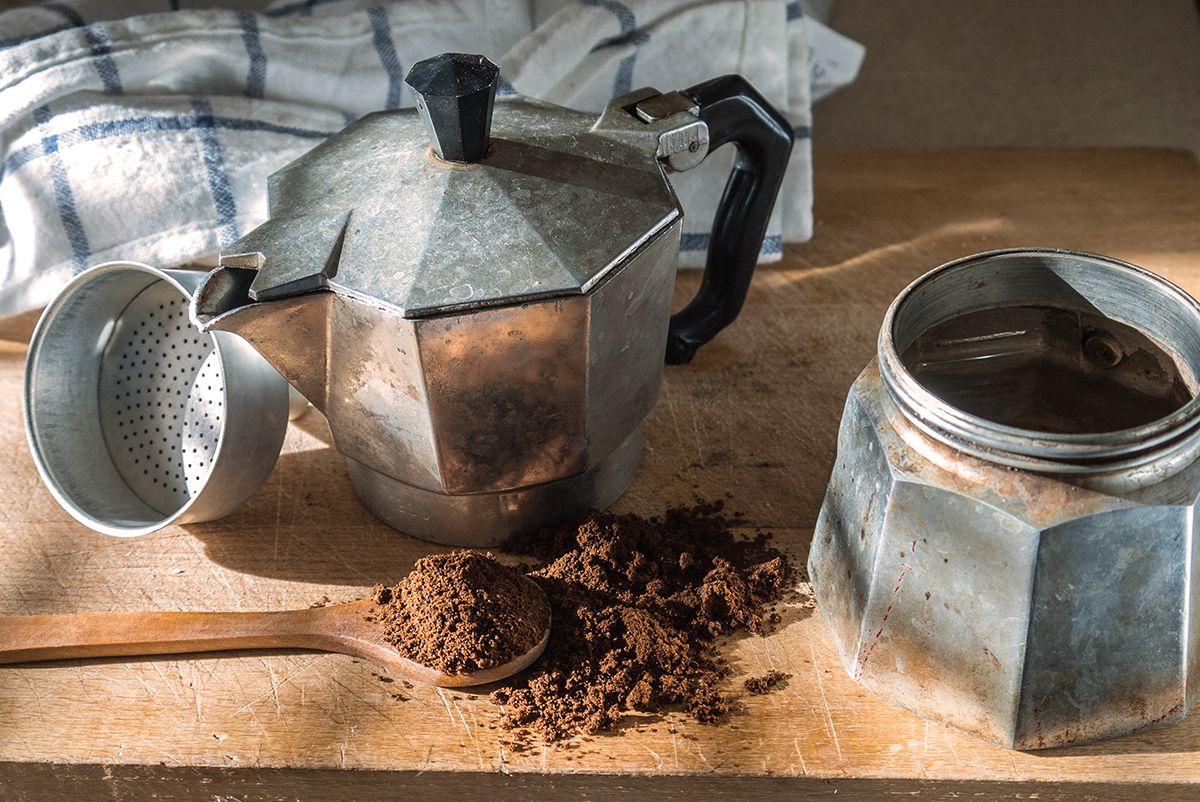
point(137, 419)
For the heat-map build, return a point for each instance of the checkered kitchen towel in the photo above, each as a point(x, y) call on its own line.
point(142, 130)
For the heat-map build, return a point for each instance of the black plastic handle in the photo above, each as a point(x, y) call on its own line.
point(735, 113)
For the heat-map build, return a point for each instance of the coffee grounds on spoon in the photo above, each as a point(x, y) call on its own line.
point(638, 607)
point(462, 612)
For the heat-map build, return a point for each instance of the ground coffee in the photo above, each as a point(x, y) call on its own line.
point(637, 607)
point(462, 612)
point(766, 683)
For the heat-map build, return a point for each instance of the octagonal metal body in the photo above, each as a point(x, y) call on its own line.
point(1031, 610)
point(485, 339)
point(465, 428)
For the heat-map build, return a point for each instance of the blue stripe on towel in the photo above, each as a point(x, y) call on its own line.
point(629, 35)
point(302, 7)
point(101, 45)
point(772, 243)
point(256, 74)
point(240, 124)
point(64, 198)
point(214, 165)
point(97, 39)
point(62, 8)
point(387, 54)
point(90, 132)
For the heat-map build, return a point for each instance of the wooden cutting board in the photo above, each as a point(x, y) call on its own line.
point(754, 417)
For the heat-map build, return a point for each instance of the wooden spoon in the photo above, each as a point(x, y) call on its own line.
point(342, 628)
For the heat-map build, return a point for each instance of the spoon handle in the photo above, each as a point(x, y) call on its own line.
point(27, 638)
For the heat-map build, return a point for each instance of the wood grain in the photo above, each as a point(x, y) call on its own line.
point(755, 417)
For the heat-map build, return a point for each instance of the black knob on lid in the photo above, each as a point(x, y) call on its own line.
point(455, 93)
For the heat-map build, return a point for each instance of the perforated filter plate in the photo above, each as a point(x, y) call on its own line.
point(134, 414)
point(162, 394)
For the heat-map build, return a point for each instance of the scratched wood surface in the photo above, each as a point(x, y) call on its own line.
point(754, 417)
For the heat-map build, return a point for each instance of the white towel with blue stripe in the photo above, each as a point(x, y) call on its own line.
point(145, 130)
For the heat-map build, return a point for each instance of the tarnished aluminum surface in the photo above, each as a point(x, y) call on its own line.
point(538, 397)
point(1030, 607)
point(373, 213)
point(136, 419)
point(485, 339)
point(481, 520)
point(665, 124)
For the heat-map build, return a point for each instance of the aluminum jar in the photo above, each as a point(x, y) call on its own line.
point(1006, 543)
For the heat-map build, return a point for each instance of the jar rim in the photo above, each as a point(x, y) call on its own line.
point(1033, 449)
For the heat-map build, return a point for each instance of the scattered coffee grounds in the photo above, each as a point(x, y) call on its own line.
point(462, 612)
point(638, 605)
point(772, 680)
point(399, 697)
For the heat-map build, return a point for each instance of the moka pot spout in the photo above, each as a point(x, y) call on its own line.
point(291, 333)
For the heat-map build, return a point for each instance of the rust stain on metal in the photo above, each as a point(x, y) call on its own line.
point(886, 613)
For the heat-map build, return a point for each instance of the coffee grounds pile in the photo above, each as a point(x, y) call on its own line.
point(638, 605)
point(462, 612)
